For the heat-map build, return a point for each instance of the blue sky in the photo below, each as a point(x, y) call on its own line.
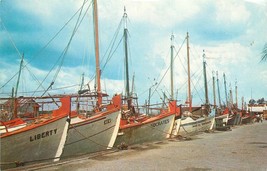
point(232, 33)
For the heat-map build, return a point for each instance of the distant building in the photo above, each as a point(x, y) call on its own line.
point(25, 108)
point(257, 108)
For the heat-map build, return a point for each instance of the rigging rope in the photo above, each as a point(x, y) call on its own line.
point(78, 22)
point(113, 40)
point(88, 137)
point(110, 50)
point(39, 52)
point(167, 69)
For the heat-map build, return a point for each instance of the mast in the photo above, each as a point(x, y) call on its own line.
point(189, 100)
point(125, 35)
point(218, 86)
point(236, 95)
point(15, 101)
point(214, 91)
point(132, 91)
point(242, 103)
point(79, 93)
point(226, 98)
point(205, 79)
point(95, 14)
point(20, 67)
point(148, 103)
point(230, 98)
point(163, 101)
point(172, 46)
point(82, 82)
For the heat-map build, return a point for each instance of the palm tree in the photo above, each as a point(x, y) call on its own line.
point(264, 53)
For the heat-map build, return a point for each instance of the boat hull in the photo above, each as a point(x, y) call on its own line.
point(246, 119)
point(221, 120)
point(92, 134)
point(234, 120)
point(148, 131)
point(190, 126)
point(176, 127)
point(40, 143)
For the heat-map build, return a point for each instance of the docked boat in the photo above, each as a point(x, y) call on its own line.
point(139, 127)
point(94, 133)
point(33, 129)
point(177, 123)
point(190, 125)
point(95, 129)
point(39, 139)
point(177, 119)
point(143, 128)
point(234, 119)
point(221, 119)
point(196, 119)
point(246, 117)
point(221, 114)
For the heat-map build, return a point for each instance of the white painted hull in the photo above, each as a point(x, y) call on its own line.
point(92, 134)
point(176, 127)
point(221, 120)
point(190, 126)
point(156, 130)
point(40, 142)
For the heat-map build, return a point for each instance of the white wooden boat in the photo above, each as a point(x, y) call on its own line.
point(95, 133)
point(41, 140)
point(146, 129)
point(191, 126)
point(221, 120)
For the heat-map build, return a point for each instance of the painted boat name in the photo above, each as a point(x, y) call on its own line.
point(43, 135)
point(166, 121)
point(200, 124)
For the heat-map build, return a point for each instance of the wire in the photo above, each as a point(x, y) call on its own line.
point(62, 56)
point(39, 52)
point(167, 69)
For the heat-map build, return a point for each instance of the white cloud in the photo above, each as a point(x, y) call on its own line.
point(50, 12)
point(229, 12)
point(153, 21)
point(159, 13)
point(259, 2)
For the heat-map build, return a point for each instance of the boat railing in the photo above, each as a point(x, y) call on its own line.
point(3, 124)
point(153, 109)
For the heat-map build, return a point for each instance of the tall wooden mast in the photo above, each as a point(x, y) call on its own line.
point(242, 103)
point(125, 35)
point(214, 89)
point(218, 86)
point(226, 98)
point(15, 101)
point(18, 80)
point(230, 103)
point(95, 14)
point(172, 46)
point(236, 99)
point(205, 79)
point(189, 100)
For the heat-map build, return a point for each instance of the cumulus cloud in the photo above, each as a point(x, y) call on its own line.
point(226, 12)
